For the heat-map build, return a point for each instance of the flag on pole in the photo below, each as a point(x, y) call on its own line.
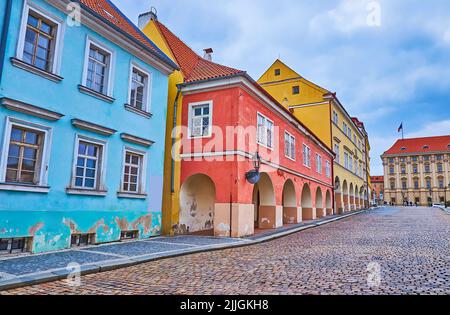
point(400, 128)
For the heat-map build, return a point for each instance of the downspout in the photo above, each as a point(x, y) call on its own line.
point(174, 125)
point(4, 37)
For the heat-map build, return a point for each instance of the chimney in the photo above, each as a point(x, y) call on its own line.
point(208, 54)
point(145, 18)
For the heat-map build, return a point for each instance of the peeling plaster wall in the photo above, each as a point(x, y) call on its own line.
point(52, 230)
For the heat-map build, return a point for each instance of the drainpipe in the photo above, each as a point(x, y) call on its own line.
point(174, 125)
point(4, 37)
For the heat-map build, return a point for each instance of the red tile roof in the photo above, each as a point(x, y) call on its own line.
point(377, 179)
point(107, 10)
point(193, 67)
point(417, 145)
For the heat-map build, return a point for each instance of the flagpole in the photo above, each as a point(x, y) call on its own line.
point(403, 135)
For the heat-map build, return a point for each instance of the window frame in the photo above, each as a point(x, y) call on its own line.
point(306, 158)
point(148, 89)
point(327, 169)
point(142, 178)
point(90, 41)
point(45, 156)
point(210, 103)
point(293, 156)
point(319, 162)
point(296, 90)
point(101, 169)
point(59, 36)
point(266, 119)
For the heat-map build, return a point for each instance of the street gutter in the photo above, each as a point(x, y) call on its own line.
point(109, 265)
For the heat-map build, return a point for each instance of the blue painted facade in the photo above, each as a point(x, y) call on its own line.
point(51, 218)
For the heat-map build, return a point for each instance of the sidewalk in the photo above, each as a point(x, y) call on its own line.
point(33, 269)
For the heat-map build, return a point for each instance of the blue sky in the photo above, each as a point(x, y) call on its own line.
point(397, 70)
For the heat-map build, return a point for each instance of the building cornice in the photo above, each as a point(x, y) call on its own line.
point(102, 27)
point(29, 109)
point(85, 125)
point(136, 140)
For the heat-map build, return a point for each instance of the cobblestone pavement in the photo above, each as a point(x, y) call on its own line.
point(410, 245)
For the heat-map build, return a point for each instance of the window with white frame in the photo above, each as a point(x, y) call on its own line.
point(39, 40)
point(350, 163)
point(25, 153)
point(98, 67)
point(306, 156)
point(319, 163)
point(200, 120)
point(346, 160)
point(328, 169)
point(265, 131)
point(289, 145)
point(139, 89)
point(335, 118)
point(133, 172)
point(337, 152)
point(89, 162)
point(345, 128)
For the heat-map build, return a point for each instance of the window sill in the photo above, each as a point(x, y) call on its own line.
point(35, 70)
point(86, 192)
point(24, 188)
point(122, 194)
point(138, 111)
point(88, 91)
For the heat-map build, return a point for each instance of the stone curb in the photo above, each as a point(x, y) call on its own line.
point(103, 266)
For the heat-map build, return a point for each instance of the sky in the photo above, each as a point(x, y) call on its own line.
point(388, 60)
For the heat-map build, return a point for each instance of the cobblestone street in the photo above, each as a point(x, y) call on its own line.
point(411, 245)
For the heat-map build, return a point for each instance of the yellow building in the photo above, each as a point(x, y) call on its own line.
point(322, 112)
point(150, 26)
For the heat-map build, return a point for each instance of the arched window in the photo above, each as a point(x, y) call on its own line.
point(404, 183)
point(392, 184)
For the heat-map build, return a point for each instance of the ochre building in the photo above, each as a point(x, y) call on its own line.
point(417, 170)
point(322, 112)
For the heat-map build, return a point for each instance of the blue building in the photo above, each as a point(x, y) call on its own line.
point(82, 125)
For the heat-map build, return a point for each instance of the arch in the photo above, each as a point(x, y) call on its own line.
point(351, 197)
point(320, 211)
point(328, 203)
point(264, 202)
point(306, 202)
point(338, 204)
point(290, 210)
point(345, 195)
point(357, 198)
point(197, 203)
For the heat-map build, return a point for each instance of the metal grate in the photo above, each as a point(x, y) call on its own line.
point(14, 245)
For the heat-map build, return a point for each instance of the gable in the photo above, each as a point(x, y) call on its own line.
point(286, 73)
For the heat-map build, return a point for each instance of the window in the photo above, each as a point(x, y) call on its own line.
point(391, 170)
point(295, 90)
point(306, 156)
point(441, 183)
point(25, 154)
point(414, 158)
point(428, 183)
point(139, 89)
point(402, 159)
point(89, 163)
point(134, 172)
point(440, 168)
point(318, 163)
point(40, 38)
point(349, 133)
point(328, 169)
point(439, 157)
point(200, 120)
point(289, 145)
point(404, 184)
point(354, 139)
point(345, 128)
point(426, 158)
point(403, 169)
point(392, 184)
point(335, 118)
point(346, 160)
point(25, 147)
point(78, 240)
point(427, 168)
point(415, 169)
point(277, 72)
point(336, 151)
point(416, 183)
point(128, 235)
point(391, 160)
point(14, 245)
point(98, 68)
point(265, 131)
point(350, 163)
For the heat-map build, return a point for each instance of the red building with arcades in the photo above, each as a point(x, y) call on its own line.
point(227, 118)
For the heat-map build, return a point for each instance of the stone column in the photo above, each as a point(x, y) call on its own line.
point(292, 215)
point(270, 217)
point(338, 201)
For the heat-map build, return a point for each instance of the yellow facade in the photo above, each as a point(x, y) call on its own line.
point(324, 115)
point(171, 189)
